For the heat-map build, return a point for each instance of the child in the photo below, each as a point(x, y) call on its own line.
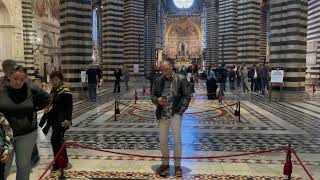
point(6, 136)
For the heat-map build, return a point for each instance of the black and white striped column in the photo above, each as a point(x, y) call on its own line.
point(313, 41)
point(150, 34)
point(212, 32)
point(28, 36)
point(133, 35)
point(288, 41)
point(76, 39)
point(249, 28)
point(263, 32)
point(112, 36)
point(228, 31)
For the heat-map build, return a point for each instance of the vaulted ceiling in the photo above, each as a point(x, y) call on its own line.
point(172, 9)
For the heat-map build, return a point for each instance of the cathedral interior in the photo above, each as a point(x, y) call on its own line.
point(241, 136)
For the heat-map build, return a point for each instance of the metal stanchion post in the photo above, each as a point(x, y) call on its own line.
point(239, 111)
point(135, 97)
point(287, 169)
point(115, 110)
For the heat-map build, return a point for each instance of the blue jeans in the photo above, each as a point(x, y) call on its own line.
point(92, 90)
point(23, 146)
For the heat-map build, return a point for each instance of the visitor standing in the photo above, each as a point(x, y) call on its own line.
point(171, 94)
point(232, 78)
point(245, 78)
point(117, 74)
point(264, 75)
point(92, 79)
point(126, 77)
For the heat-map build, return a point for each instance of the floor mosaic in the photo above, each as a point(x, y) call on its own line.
point(206, 131)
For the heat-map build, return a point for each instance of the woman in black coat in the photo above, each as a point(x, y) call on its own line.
point(58, 116)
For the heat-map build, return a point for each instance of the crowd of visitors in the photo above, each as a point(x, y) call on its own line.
point(171, 91)
point(20, 100)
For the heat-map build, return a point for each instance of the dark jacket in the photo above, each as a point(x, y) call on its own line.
point(181, 92)
point(221, 74)
point(118, 74)
point(263, 73)
point(20, 107)
point(232, 75)
point(60, 109)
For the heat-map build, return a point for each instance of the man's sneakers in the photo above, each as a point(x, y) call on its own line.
point(178, 171)
point(163, 170)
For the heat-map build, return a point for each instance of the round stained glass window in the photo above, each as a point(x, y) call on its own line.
point(183, 4)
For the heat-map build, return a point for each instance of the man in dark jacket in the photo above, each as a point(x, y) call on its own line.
point(221, 74)
point(92, 80)
point(171, 94)
point(264, 75)
point(117, 74)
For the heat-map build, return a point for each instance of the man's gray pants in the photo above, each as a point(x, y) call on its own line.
point(175, 124)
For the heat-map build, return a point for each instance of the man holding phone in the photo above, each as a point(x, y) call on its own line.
point(171, 94)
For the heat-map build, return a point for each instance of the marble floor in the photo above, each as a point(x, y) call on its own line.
point(209, 129)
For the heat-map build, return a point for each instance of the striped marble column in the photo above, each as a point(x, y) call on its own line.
point(288, 41)
point(112, 36)
point(150, 34)
point(133, 35)
point(313, 41)
point(263, 29)
point(248, 36)
point(28, 36)
point(76, 40)
point(228, 31)
point(212, 32)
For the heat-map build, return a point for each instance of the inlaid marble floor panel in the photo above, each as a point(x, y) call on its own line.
point(208, 129)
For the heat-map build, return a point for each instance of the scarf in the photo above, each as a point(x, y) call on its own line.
point(18, 95)
point(44, 119)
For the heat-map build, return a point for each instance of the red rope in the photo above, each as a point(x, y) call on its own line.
point(186, 158)
point(184, 113)
point(301, 163)
point(54, 159)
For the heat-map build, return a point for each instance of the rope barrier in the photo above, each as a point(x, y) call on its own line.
point(54, 159)
point(211, 110)
point(301, 163)
point(181, 158)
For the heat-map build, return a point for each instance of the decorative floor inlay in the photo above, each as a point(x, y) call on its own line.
point(99, 175)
